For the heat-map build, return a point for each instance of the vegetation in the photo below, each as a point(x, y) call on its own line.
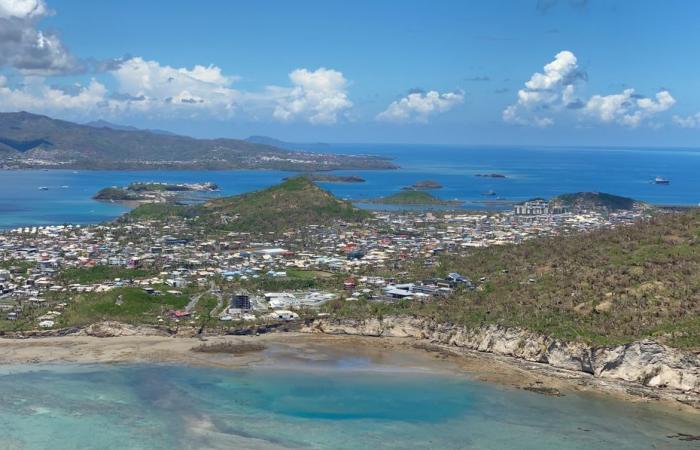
point(137, 307)
point(425, 184)
point(604, 287)
point(295, 203)
point(596, 201)
point(413, 198)
point(326, 178)
point(96, 274)
point(117, 194)
point(24, 135)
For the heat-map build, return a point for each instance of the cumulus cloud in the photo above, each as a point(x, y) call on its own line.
point(28, 49)
point(553, 93)
point(319, 97)
point(148, 86)
point(692, 121)
point(35, 95)
point(145, 87)
point(23, 8)
point(547, 92)
point(627, 108)
point(419, 106)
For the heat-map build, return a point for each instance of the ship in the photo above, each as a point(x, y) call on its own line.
point(43, 188)
point(661, 180)
point(489, 193)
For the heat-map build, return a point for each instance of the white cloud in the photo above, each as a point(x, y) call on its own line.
point(627, 108)
point(546, 93)
point(692, 121)
point(35, 95)
point(23, 9)
point(28, 49)
point(553, 93)
point(318, 97)
point(148, 86)
point(418, 106)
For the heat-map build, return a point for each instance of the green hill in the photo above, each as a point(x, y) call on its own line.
point(603, 287)
point(26, 137)
point(413, 198)
point(597, 201)
point(295, 203)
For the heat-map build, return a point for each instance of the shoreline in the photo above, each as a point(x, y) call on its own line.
point(306, 351)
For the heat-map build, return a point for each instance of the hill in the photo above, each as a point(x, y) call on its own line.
point(294, 203)
point(605, 287)
point(30, 140)
point(265, 140)
point(114, 126)
point(594, 201)
point(412, 197)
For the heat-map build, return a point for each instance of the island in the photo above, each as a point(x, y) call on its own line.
point(490, 175)
point(152, 192)
point(423, 184)
point(327, 178)
point(413, 197)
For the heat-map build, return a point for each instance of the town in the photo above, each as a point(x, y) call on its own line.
point(187, 275)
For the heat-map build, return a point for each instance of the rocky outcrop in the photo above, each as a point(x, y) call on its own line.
point(117, 329)
point(645, 362)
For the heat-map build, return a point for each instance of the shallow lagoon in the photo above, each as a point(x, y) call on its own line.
point(339, 405)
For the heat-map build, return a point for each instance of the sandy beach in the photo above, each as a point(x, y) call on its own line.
point(306, 351)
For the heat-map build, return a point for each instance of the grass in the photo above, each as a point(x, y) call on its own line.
point(100, 273)
point(413, 198)
point(138, 307)
point(605, 287)
point(23, 265)
point(295, 203)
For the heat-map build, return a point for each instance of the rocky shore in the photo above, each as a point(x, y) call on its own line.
point(643, 368)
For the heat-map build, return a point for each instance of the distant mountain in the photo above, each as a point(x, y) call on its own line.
point(114, 126)
point(31, 140)
point(292, 204)
point(265, 140)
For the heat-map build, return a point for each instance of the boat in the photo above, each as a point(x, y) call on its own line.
point(661, 180)
point(489, 193)
point(43, 188)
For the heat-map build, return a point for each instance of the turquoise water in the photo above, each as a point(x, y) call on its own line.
point(180, 407)
point(531, 172)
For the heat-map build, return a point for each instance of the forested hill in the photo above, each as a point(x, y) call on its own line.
point(30, 140)
point(293, 204)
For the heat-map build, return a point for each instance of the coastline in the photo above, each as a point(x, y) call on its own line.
point(301, 350)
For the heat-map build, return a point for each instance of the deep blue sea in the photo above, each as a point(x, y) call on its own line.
point(181, 407)
point(531, 172)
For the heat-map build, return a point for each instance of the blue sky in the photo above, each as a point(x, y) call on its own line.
point(547, 72)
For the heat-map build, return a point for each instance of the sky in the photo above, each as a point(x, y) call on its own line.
point(493, 72)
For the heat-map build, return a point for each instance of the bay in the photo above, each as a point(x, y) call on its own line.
point(180, 407)
point(530, 172)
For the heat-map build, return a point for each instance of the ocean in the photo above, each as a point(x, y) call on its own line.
point(148, 406)
point(531, 172)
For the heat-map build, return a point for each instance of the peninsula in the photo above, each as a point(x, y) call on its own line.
point(152, 192)
point(30, 141)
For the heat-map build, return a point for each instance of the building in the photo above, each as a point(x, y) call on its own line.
point(241, 300)
point(532, 208)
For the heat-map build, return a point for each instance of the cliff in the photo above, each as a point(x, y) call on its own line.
point(646, 362)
